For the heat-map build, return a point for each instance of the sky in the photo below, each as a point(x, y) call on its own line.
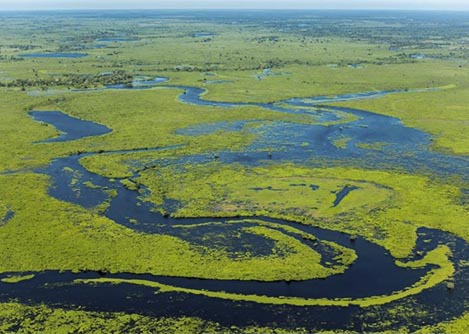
point(234, 4)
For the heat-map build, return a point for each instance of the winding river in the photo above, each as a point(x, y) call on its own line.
point(374, 273)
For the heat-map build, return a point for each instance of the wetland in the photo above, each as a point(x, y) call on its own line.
point(307, 201)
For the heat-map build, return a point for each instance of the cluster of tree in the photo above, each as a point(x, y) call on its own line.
point(264, 39)
point(22, 47)
point(73, 80)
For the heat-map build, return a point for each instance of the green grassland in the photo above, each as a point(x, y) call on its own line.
point(441, 113)
point(305, 81)
point(405, 202)
point(16, 279)
point(3, 210)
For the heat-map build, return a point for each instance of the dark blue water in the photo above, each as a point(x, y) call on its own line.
point(8, 216)
point(72, 128)
point(208, 128)
point(343, 193)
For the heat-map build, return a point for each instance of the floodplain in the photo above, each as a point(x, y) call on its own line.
point(234, 172)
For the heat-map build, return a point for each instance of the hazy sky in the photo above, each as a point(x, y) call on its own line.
point(248, 4)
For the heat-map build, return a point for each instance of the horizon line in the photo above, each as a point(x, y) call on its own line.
point(239, 9)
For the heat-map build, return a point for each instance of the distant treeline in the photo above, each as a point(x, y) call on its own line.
point(73, 80)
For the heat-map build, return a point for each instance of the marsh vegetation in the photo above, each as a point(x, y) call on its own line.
point(226, 172)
